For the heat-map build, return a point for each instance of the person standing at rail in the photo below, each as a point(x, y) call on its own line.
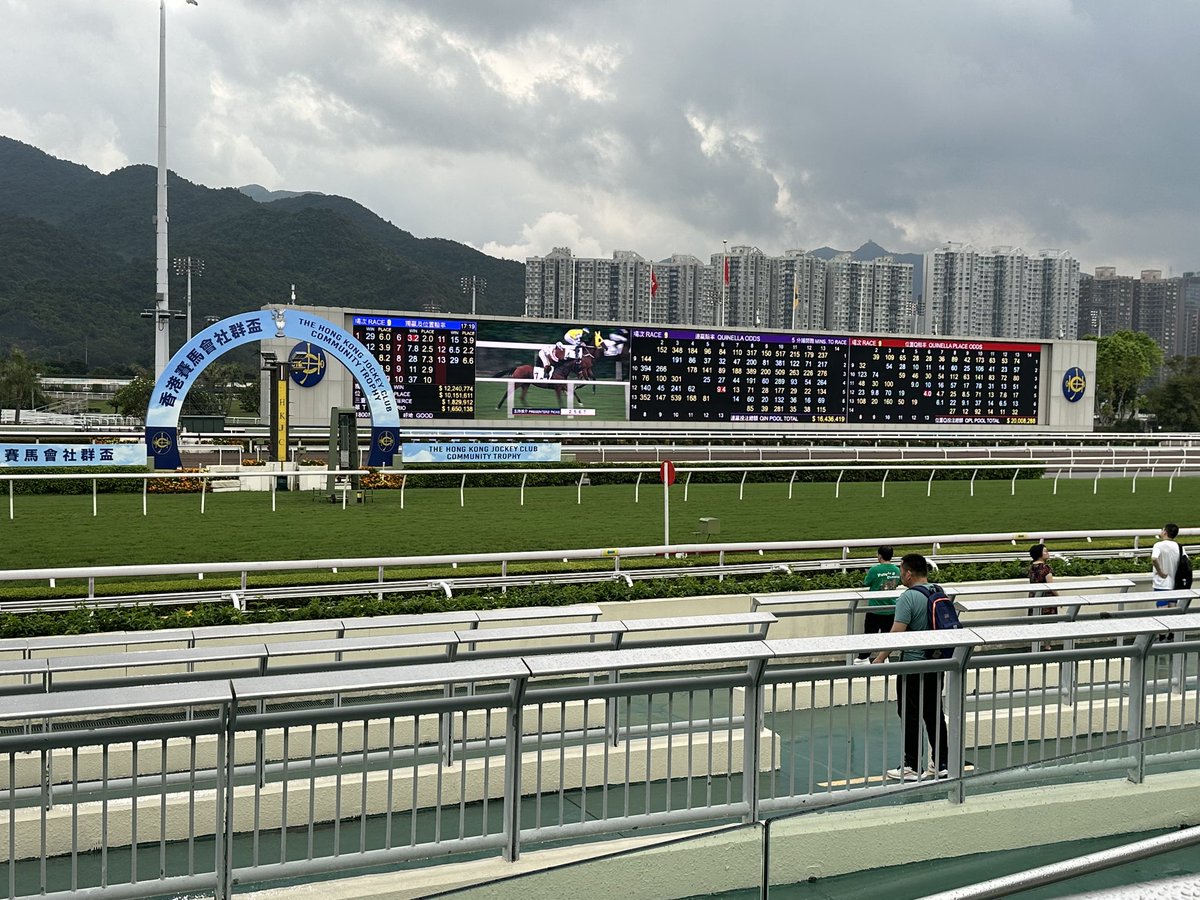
point(1039, 573)
point(883, 576)
point(918, 694)
point(1165, 560)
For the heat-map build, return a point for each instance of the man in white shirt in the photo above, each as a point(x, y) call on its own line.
point(1165, 559)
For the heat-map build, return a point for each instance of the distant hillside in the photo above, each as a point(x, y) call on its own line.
point(260, 194)
point(77, 259)
point(871, 250)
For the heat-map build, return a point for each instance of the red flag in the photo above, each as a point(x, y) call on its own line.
point(727, 270)
point(653, 283)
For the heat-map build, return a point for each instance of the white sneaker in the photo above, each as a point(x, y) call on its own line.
point(943, 772)
point(861, 662)
point(905, 773)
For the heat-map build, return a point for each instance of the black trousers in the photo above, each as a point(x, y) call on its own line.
point(919, 700)
point(877, 623)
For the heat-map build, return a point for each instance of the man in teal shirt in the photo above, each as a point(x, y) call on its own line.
point(918, 694)
point(883, 576)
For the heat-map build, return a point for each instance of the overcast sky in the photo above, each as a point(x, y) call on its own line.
point(660, 126)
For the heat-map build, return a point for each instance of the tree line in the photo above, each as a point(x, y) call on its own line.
point(221, 389)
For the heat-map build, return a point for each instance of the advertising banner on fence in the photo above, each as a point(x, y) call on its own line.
point(481, 451)
point(70, 455)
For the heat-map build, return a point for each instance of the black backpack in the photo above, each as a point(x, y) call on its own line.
point(1183, 571)
point(940, 615)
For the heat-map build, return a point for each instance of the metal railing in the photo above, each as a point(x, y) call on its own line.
point(1058, 872)
point(141, 791)
point(375, 578)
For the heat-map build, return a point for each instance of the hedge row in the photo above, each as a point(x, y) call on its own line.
point(146, 618)
point(80, 485)
point(76, 486)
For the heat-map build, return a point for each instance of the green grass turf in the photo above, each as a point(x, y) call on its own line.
point(53, 531)
point(608, 399)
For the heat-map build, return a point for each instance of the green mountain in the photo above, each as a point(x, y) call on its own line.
point(77, 259)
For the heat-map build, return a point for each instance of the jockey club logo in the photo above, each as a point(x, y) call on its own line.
point(306, 364)
point(1074, 384)
point(161, 443)
point(386, 441)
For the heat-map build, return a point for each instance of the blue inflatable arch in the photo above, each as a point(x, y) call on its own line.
point(162, 416)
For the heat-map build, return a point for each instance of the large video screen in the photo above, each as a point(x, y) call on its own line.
point(462, 369)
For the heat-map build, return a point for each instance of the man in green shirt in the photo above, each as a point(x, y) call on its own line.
point(918, 694)
point(883, 576)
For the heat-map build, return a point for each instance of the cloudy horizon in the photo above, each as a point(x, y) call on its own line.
point(661, 128)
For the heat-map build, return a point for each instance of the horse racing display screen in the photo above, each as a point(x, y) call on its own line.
point(430, 362)
point(497, 369)
point(697, 376)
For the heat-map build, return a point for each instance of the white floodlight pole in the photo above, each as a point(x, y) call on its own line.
point(162, 314)
point(162, 307)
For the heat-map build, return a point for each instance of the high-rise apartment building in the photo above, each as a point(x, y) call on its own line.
point(868, 295)
point(740, 288)
point(1054, 290)
point(621, 289)
point(1189, 299)
point(1002, 292)
point(630, 283)
point(798, 292)
point(951, 298)
point(550, 285)
point(1160, 310)
point(1106, 302)
point(681, 285)
point(745, 297)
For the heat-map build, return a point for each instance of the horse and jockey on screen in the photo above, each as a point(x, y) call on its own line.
point(572, 357)
point(562, 358)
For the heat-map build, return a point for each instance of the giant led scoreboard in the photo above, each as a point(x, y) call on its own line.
point(430, 362)
point(456, 370)
point(698, 376)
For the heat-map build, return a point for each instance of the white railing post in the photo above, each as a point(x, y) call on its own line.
point(512, 771)
point(752, 738)
point(1137, 705)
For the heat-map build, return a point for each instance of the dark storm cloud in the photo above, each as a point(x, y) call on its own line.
point(661, 127)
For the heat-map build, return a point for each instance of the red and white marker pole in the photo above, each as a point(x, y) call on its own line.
point(667, 472)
